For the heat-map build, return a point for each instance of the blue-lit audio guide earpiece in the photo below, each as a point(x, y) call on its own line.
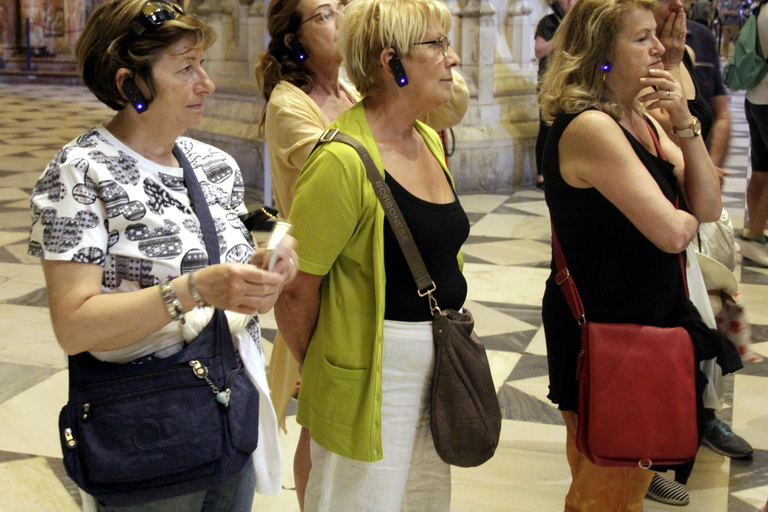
point(298, 49)
point(134, 95)
point(396, 66)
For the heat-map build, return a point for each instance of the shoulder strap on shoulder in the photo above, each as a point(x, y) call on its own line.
point(423, 280)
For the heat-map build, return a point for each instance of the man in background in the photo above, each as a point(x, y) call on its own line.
point(700, 11)
point(544, 44)
point(731, 13)
point(710, 80)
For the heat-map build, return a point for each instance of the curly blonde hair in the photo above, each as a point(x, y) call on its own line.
point(574, 80)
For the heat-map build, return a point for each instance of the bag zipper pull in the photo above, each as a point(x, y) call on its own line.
point(69, 439)
point(223, 398)
point(201, 372)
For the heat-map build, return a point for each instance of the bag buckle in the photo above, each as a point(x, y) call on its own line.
point(329, 135)
point(565, 273)
point(433, 307)
point(432, 288)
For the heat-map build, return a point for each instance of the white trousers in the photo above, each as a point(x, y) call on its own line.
point(411, 477)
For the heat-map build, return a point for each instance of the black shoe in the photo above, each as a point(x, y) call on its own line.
point(721, 439)
point(664, 491)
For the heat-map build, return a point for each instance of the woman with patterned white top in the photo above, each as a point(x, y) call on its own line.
point(114, 224)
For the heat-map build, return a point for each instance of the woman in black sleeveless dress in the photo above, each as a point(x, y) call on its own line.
point(612, 202)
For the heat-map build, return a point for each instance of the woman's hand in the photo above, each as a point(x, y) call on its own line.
point(287, 259)
point(250, 288)
point(667, 96)
point(239, 287)
point(287, 263)
point(673, 38)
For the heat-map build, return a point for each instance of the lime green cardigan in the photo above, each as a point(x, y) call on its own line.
point(339, 227)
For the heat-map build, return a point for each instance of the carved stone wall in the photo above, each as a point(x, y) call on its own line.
point(233, 111)
point(494, 39)
point(55, 25)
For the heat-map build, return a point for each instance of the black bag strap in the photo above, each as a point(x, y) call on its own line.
point(200, 206)
point(208, 228)
point(424, 283)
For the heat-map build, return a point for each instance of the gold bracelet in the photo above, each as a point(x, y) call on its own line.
point(194, 291)
point(172, 302)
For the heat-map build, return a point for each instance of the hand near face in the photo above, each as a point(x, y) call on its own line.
point(673, 38)
point(667, 96)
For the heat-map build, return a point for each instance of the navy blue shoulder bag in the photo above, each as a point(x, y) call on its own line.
point(134, 433)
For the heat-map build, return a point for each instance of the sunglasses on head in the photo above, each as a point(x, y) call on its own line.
point(154, 14)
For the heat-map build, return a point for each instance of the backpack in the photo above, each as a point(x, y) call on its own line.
point(748, 67)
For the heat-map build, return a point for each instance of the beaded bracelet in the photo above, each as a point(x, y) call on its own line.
point(194, 291)
point(172, 302)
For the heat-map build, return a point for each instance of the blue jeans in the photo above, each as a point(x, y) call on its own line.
point(236, 495)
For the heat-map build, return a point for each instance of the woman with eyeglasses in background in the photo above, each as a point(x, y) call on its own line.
point(299, 77)
point(125, 263)
point(354, 319)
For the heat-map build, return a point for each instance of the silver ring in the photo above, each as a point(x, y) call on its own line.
point(667, 97)
point(290, 260)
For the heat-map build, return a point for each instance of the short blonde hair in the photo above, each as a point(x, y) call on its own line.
point(574, 79)
point(367, 27)
point(100, 50)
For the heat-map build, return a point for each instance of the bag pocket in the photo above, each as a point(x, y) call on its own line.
point(146, 434)
point(345, 386)
point(243, 413)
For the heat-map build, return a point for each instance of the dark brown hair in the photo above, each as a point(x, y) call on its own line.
point(279, 62)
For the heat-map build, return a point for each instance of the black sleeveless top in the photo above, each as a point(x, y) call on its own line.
point(621, 276)
point(439, 231)
point(699, 106)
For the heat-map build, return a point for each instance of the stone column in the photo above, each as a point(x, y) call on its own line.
point(35, 11)
point(233, 111)
point(7, 29)
point(495, 141)
point(74, 22)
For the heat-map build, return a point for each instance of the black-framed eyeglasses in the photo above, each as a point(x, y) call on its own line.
point(444, 43)
point(154, 14)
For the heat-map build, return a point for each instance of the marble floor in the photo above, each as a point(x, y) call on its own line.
point(507, 259)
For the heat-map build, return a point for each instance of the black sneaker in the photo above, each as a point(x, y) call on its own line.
point(721, 439)
point(665, 491)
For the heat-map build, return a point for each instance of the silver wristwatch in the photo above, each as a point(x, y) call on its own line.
point(694, 130)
